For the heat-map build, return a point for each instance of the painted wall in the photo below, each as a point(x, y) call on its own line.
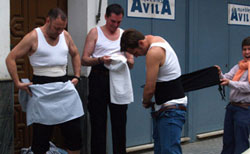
point(4, 38)
point(82, 18)
point(6, 96)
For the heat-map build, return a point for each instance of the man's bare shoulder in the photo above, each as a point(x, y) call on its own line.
point(67, 36)
point(92, 35)
point(155, 51)
point(31, 36)
point(66, 33)
point(93, 32)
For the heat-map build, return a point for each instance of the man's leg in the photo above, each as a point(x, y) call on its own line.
point(156, 136)
point(41, 137)
point(228, 136)
point(170, 127)
point(72, 132)
point(241, 129)
point(118, 115)
point(98, 120)
point(98, 100)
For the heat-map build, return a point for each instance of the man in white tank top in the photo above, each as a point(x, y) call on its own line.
point(101, 44)
point(47, 48)
point(163, 82)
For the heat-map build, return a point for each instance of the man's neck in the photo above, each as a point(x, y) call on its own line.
point(110, 34)
point(52, 41)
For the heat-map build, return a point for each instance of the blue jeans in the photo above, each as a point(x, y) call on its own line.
point(236, 130)
point(167, 127)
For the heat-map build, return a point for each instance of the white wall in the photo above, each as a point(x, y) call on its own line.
point(93, 6)
point(4, 37)
point(81, 18)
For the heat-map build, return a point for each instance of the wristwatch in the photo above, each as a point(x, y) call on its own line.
point(78, 78)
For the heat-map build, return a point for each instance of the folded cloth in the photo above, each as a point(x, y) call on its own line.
point(51, 103)
point(121, 91)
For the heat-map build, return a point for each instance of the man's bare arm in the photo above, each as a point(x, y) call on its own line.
point(26, 46)
point(130, 60)
point(89, 47)
point(153, 60)
point(74, 53)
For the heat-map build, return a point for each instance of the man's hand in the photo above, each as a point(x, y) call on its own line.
point(219, 69)
point(106, 60)
point(25, 86)
point(74, 81)
point(147, 104)
point(224, 82)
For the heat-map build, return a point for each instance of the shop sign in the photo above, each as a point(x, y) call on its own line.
point(161, 9)
point(238, 14)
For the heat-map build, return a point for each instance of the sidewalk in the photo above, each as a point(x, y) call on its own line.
point(205, 146)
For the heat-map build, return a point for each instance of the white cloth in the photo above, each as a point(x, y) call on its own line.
point(51, 103)
point(121, 91)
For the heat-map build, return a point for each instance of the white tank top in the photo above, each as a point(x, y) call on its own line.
point(106, 47)
point(49, 60)
point(170, 70)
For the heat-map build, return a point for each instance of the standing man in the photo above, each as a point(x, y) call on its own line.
point(237, 118)
point(53, 99)
point(102, 44)
point(163, 81)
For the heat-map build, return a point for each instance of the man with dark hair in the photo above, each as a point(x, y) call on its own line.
point(53, 14)
point(53, 99)
point(163, 81)
point(101, 47)
point(237, 118)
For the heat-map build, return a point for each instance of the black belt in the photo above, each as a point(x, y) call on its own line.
point(46, 79)
point(165, 108)
point(240, 104)
point(103, 72)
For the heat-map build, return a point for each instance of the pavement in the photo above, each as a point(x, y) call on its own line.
point(204, 146)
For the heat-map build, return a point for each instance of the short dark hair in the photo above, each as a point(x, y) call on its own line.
point(114, 8)
point(130, 38)
point(245, 42)
point(55, 13)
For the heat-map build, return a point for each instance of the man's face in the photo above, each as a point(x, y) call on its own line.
point(56, 27)
point(246, 52)
point(113, 22)
point(136, 51)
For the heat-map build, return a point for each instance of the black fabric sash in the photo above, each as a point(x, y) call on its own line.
point(203, 78)
point(165, 91)
point(196, 80)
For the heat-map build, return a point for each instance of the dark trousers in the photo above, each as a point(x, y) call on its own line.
point(99, 100)
point(71, 131)
point(236, 130)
